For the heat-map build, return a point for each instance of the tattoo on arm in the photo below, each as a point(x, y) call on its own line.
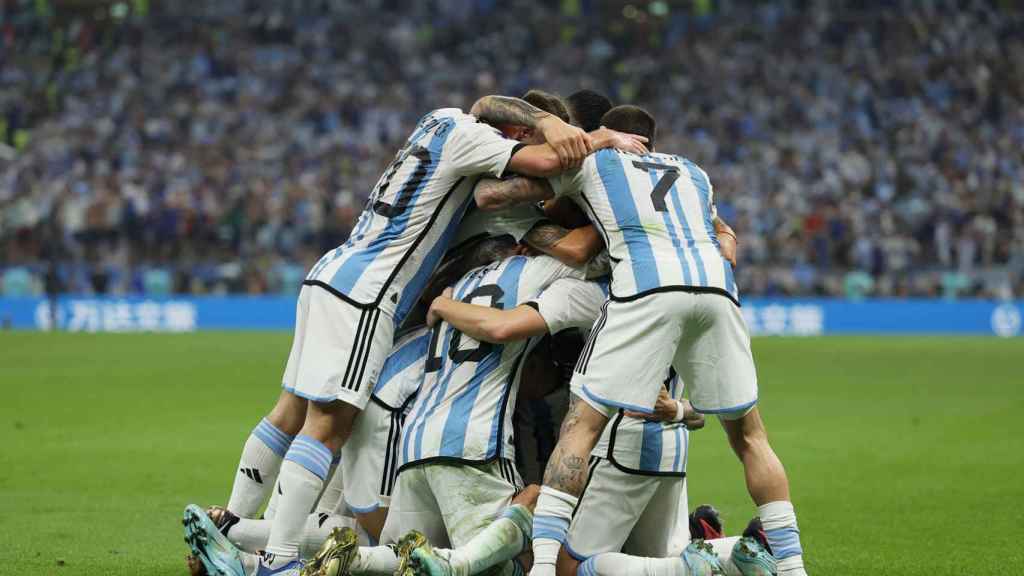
point(493, 194)
point(506, 110)
point(545, 235)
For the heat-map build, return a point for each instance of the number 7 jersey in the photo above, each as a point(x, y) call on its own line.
point(464, 410)
point(656, 215)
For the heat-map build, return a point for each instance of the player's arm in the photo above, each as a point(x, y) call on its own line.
point(574, 247)
point(487, 324)
point(569, 144)
point(727, 241)
point(494, 194)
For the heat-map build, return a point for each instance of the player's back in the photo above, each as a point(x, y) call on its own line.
point(656, 214)
point(413, 212)
point(464, 408)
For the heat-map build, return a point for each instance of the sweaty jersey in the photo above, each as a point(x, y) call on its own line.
point(656, 214)
point(413, 213)
point(630, 444)
point(464, 409)
point(402, 374)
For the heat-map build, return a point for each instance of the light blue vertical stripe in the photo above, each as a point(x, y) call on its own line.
point(686, 455)
point(352, 269)
point(672, 234)
point(447, 368)
point(650, 450)
point(509, 283)
point(620, 198)
point(453, 440)
point(678, 430)
point(677, 202)
point(412, 291)
point(703, 186)
point(414, 350)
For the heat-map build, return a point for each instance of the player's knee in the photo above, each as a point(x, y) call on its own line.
point(528, 496)
point(288, 414)
point(373, 522)
point(747, 434)
point(330, 423)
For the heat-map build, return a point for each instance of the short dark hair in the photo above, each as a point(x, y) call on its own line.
point(587, 107)
point(548, 102)
point(632, 120)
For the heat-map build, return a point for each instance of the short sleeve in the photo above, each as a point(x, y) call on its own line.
point(475, 148)
point(542, 272)
point(570, 303)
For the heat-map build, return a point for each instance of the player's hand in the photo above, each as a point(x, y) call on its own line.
point(728, 244)
point(692, 419)
point(432, 316)
point(664, 409)
point(571, 144)
point(608, 138)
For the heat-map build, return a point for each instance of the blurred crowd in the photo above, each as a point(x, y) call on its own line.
point(859, 149)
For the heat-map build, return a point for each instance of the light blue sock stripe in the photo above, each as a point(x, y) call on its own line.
point(274, 430)
point(307, 463)
point(316, 445)
point(784, 542)
point(274, 439)
point(309, 453)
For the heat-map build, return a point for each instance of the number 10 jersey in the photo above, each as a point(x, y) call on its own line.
point(464, 409)
point(656, 215)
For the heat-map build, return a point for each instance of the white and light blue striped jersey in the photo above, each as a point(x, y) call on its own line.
point(630, 444)
point(514, 221)
point(464, 409)
point(402, 375)
point(413, 213)
point(656, 215)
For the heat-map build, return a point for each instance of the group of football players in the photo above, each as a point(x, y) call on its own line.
point(489, 245)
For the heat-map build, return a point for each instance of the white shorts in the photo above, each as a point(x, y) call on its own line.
point(369, 458)
point(634, 343)
point(450, 503)
point(623, 512)
point(338, 349)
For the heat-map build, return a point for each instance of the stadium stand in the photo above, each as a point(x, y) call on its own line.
point(221, 146)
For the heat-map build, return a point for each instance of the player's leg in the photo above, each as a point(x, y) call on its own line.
point(343, 351)
point(488, 521)
point(370, 465)
point(266, 446)
point(715, 361)
point(632, 342)
point(697, 560)
point(608, 510)
point(769, 488)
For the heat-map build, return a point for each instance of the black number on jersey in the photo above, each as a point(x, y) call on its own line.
point(404, 196)
point(664, 183)
point(482, 349)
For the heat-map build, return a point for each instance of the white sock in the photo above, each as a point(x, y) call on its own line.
point(333, 489)
point(723, 547)
point(779, 522)
point(501, 541)
point(302, 478)
point(251, 535)
point(616, 564)
point(257, 469)
point(550, 523)
point(375, 561)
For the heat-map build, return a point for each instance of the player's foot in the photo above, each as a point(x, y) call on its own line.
point(406, 544)
point(222, 518)
point(335, 555)
point(756, 531)
point(700, 559)
point(752, 558)
point(216, 553)
point(705, 523)
point(281, 567)
point(427, 562)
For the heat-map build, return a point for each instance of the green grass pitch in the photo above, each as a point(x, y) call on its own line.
point(906, 455)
